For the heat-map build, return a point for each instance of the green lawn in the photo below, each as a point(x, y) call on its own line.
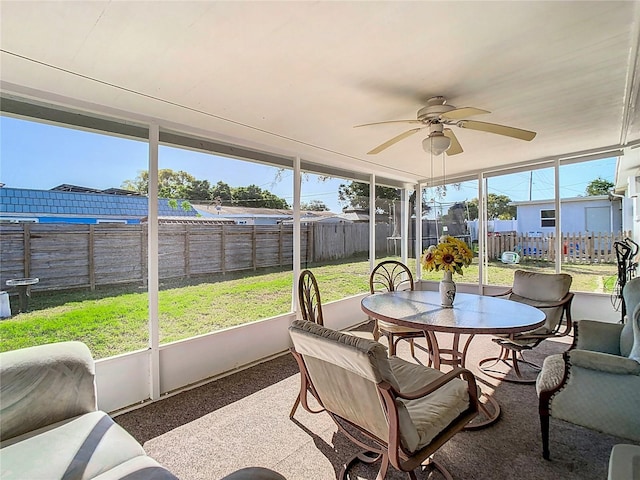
point(114, 320)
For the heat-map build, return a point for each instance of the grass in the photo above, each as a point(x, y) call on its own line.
point(114, 320)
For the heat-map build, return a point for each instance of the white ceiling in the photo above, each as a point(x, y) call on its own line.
point(295, 77)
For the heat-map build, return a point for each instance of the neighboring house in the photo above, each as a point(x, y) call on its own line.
point(311, 217)
point(593, 214)
point(261, 216)
point(358, 215)
point(73, 204)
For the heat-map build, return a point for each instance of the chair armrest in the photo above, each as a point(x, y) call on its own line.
point(603, 362)
point(44, 385)
point(567, 299)
point(435, 385)
point(597, 336)
point(502, 294)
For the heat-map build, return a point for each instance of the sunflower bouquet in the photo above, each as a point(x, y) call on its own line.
point(450, 255)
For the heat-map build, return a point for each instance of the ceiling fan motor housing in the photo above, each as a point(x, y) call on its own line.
point(436, 106)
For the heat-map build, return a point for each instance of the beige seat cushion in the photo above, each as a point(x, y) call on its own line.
point(429, 415)
point(536, 289)
point(393, 328)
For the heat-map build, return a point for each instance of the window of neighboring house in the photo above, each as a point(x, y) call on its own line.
point(110, 221)
point(547, 218)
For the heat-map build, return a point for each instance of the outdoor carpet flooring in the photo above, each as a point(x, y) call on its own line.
point(243, 420)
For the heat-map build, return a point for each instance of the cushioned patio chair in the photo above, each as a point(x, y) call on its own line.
point(596, 383)
point(398, 412)
point(309, 298)
point(550, 293)
point(311, 311)
point(391, 276)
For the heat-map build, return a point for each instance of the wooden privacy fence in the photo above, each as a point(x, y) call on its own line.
point(71, 256)
point(576, 247)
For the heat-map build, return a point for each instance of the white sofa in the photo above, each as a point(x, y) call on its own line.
point(50, 426)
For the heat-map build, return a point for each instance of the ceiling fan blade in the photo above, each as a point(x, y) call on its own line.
point(390, 121)
point(463, 112)
point(455, 147)
point(498, 129)
point(394, 140)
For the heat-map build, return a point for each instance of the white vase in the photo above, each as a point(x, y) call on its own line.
point(447, 290)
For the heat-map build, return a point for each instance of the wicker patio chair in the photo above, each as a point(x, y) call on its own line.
point(391, 276)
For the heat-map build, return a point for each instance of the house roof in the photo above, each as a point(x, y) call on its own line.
point(192, 220)
point(292, 79)
point(30, 202)
point(587, 199)
point(65, 187)
point(256, 212)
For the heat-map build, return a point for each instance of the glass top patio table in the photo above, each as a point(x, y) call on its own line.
point(471, 314)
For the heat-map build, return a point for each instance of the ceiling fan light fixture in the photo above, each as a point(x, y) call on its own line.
point(436, 143)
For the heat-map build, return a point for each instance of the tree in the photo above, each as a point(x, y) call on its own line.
point(182, 185)
point(314, 206)
point(599, 186)
point(356, 195)
point(497, 207)
point(222, 191)
point(199, 190)
point(472, 209)
point(170, 184)
point(254, 196)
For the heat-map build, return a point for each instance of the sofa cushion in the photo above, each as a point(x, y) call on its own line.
point(80, 448)
point(138, 468)
point(634, 354)
point(43, 385)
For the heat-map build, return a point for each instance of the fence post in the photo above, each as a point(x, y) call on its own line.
point(254, 247)
point(143, 253)
point(280, 241)
point(223, 241)
point(26, 245)
point(92, 262)
point(187, 250)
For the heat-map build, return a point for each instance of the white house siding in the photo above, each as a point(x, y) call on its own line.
point(579, 215)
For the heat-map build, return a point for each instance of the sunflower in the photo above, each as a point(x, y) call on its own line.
point(447, 258)
point(428, 259)
point(465, 252)
point(450, 255)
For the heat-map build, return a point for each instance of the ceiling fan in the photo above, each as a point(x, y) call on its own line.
point(435, 116)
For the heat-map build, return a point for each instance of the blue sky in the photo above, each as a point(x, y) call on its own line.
point(36, 155)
